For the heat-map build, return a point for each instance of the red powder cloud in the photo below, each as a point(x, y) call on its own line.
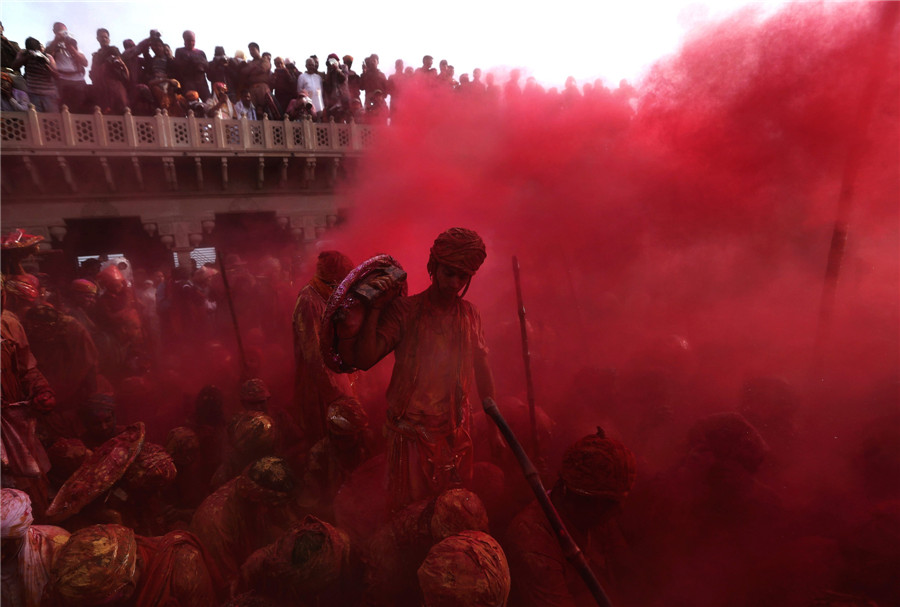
point(703, 207)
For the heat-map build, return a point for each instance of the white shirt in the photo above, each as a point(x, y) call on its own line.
point(312, 84)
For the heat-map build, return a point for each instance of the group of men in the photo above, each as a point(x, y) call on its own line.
point(117, 489)
point(302, 503)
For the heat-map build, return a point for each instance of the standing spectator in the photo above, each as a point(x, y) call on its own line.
point(10, 50)
point(219, 70)
point(14, 100)
point(255, 76)
point(445, 75)
point(352, 77)
point(283, 86)
point(427, 73)
point(40, 76)
point(235, 69)
point(190, 66)
point(511, 90)
point(110, 76)
point(134, 61)
point(477, 84)
point(464, 86)
point(71, 64)
point(373, 79)
point(156, 71)
point(291, 68)
point(376, 109)
point(395, 85)
point(335, 91)
point(491, 89)
point(310, 82)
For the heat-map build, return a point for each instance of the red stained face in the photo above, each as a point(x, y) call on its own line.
point(450, 281)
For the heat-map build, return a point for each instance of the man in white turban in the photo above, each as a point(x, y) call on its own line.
point(27, 551)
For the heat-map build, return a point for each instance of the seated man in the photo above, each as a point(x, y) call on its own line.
point(110, 565)
point(246, 513)
point(597, 474)
point(28, 550)
point(465, 569)
point(303, 566)
point(14, 100)
point(396, 550)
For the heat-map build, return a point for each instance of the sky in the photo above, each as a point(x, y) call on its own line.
point(550, 41)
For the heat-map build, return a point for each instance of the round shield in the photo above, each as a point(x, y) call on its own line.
point(98, 473)
point(348, 305)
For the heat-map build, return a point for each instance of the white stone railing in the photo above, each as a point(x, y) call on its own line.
point(92, 133)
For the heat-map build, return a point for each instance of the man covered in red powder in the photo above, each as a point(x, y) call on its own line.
point(596, 475)
point(25, 393)
point(111, 565)
point(315, 386)
point(437, 340)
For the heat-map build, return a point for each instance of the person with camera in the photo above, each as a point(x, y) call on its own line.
point(336, 90)
point(40, 76)
point(300, 107)
point(110, 76)
point(71, 65)
point(310, 82)
point(220, 70)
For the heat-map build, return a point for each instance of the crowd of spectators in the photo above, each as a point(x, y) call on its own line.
point(148, 76)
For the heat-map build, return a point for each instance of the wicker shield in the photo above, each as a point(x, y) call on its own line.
point(99, 472)
point(347, 306)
